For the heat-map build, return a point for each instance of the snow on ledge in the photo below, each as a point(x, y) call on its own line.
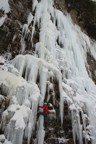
point(10, 79)
point(4, 5)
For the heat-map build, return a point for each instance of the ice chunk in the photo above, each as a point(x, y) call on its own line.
point(30, 18)
point(2, 20)
point(35, 2)
point(2, 60)
point(2, 138)
point(4, 5)
point(7, 142)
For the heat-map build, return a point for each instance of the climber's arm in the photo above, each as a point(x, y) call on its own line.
point(41, 107)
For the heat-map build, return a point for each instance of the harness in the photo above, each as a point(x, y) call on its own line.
point(45, 108)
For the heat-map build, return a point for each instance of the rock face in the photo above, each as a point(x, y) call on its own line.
point(11, 31)
point(92, 66)
point(83, 13)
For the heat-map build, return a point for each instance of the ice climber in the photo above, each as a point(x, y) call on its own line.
point(45, 110)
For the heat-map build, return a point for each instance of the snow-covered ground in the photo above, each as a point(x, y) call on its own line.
point(61, 53)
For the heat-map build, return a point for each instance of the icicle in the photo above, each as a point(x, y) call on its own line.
point(2, 20)
point(41, 132)
point(23, 45)
point(35, 2)
point(73, 127)
point(29, 19)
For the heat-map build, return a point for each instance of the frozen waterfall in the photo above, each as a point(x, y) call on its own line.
point(59, 59)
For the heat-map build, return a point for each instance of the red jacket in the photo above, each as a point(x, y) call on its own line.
point(45, 108)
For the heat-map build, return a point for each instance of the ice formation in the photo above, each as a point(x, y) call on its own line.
point(61, 55)
point(4, 5)
point(21, 114)
point(2, 19)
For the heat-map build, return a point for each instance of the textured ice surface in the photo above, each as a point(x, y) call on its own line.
point(23, 106)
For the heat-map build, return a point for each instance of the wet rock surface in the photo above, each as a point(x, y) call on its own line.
point(92, 66)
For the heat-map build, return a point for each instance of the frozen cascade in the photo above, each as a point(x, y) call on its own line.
point(61, 56)
point(23, 107)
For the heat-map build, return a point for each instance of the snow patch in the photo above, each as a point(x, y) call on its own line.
point(4, 5)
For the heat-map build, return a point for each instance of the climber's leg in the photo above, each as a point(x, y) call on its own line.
point(40, 113)
point(45, 120)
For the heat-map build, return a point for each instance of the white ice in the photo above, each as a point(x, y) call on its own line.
point(61, 53)
point(4, 5)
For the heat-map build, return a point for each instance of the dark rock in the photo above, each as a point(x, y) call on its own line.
point(84, 15)
point(4, 89)
point(92, 66)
